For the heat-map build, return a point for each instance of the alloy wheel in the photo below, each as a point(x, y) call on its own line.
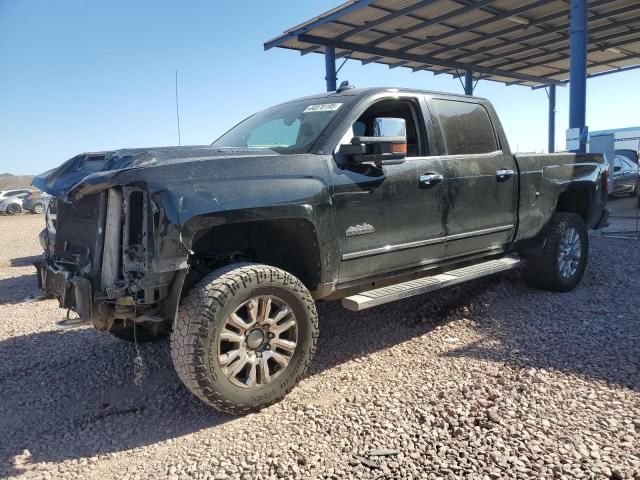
point(257, 341)
point(570, 252)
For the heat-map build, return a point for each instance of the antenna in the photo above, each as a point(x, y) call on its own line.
point(177, 109)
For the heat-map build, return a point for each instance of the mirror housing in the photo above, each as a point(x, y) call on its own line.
point(379, 150)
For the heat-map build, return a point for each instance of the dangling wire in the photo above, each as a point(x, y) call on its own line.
point(138, 363)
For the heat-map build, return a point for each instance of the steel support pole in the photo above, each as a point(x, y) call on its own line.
point(468, 82)
point(578, 69)
point(330, 67)
point(552, 119)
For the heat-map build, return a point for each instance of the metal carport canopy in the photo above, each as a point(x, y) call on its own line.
point(527, 42)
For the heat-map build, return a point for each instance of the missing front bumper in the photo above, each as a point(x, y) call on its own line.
point(73, 292)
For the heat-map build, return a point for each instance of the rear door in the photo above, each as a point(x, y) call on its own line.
point(481, 181)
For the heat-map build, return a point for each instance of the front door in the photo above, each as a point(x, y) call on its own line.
point(387, 219)
point(481, 184)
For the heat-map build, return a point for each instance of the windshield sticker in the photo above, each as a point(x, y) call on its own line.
point(323, 107)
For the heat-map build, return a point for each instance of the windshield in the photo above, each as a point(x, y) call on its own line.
point(288, 128)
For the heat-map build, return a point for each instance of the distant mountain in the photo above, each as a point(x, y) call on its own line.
point(8, 181)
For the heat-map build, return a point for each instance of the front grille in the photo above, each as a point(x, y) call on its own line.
point(80, 230)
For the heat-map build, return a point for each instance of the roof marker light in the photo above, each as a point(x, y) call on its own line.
point(345, 86)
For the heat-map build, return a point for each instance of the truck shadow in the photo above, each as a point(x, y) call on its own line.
point(72, 394)
point(69, 395)
point(15, 289)
point(592, 332)
point(25, 261)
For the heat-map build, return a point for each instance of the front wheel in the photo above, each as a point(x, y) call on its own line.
point(244, 336)
point(564, 256)
point(38, 209)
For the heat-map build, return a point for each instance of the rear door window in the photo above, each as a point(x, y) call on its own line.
point(466, 127)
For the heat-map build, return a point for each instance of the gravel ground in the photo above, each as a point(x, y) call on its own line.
point(486, 381)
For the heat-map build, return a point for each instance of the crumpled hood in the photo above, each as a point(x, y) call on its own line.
point(90, 172)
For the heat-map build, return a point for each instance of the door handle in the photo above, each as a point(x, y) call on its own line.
point(430, 179)
point(504, 173)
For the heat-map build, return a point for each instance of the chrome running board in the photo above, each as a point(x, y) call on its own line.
point(379, 296)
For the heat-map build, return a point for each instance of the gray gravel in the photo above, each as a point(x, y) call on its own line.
point(490, 380)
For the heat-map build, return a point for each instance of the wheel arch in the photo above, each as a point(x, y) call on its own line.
point(289, 243)
point(576, 198)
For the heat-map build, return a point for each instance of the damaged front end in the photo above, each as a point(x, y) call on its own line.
point(126, 223)
point(105, 263)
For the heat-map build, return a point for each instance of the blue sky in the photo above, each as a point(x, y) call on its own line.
point(81, 75)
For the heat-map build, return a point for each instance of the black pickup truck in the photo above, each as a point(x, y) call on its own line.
point(364, 195)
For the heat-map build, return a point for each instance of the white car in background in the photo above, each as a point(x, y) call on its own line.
point(12, 193)
point(12, 204)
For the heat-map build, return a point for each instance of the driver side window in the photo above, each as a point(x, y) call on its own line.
point(377, 121)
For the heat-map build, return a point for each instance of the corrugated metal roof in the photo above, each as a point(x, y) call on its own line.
point(512, 41)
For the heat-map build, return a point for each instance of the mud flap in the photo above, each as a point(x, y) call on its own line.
point(604, 220)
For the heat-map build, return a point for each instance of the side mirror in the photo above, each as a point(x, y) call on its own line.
point(387, 146)
point(379, 150)
point(617, 169)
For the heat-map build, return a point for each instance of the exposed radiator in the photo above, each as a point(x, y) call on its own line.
point(80, 231)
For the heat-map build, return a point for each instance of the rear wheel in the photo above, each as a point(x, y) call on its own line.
point(13, 209)
point(244, 336)
point(38, 209)
point(564, 258)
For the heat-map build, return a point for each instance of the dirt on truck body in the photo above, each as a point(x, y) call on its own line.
point(364, 195)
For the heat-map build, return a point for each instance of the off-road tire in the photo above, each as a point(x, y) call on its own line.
point(201, 316)
point(142, 334)
point(543, 270)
